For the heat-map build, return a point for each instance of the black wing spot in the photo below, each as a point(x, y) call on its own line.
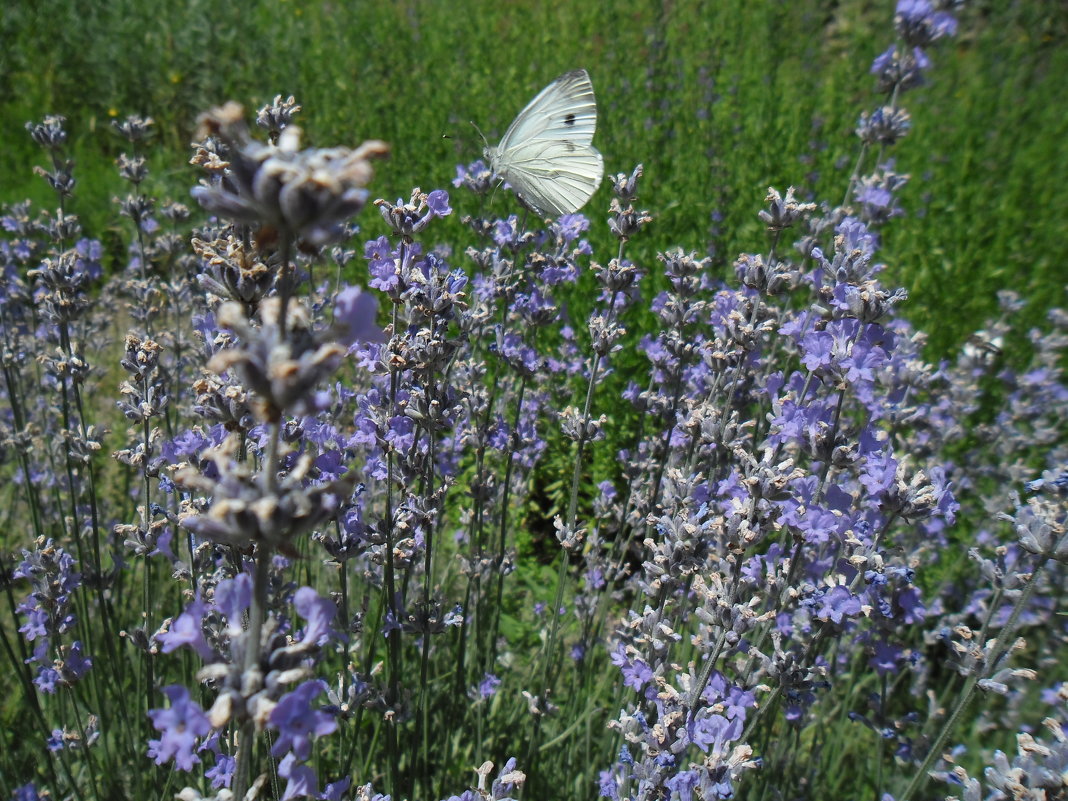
point(569, 120)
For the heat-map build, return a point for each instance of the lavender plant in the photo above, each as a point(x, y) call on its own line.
point(323, 567)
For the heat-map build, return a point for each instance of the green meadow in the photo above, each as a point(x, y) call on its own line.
point(718, 100)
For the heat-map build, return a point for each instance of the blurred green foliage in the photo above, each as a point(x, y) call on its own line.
point(717, 99)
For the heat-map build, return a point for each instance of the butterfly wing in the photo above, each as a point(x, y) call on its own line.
point(553, 177)
point(565, 109)
point(546, 153)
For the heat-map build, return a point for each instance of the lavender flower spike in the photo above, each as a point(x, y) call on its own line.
point(305, 193)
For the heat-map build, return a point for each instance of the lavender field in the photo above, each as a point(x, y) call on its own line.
point(314, 494)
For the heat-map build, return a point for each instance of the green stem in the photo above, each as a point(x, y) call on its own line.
point(997, 652)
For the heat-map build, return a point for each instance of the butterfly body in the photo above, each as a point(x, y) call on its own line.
point(546, 155)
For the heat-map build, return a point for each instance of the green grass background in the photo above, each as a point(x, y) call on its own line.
point(718, 99)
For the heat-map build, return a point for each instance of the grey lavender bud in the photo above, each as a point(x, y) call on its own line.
point(64, 227)
point(60, 178)
point(278, 115)
point(684, 270)
point(175, 212)
point(65, 283)
point(883, 126)
point(624, 186)
point(134, 128)
point(1040, 527)
point(783, 212)
point(625, 222)
point(302, 193)
point(243, 511)
point(137, 207)
point(571, 423)
point(618, 276)
point(767, 279)
point(604, 334)
point(569, 538)
point(235, 271)
point(224, 403)
point(282, 365)
point(132, 168)
point(49, 133)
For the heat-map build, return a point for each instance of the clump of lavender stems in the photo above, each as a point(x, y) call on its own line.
point(322, 502)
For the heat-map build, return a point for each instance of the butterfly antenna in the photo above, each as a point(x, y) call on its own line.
point(484, 141)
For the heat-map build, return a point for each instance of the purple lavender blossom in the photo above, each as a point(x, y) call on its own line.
point(57, 741)
point(384, 263)
point(411, 218)
point(26, 792)
point(335, 791)
point(181, 724)
point(319, 614)
point(46, 611)
point(487, 688)
point(355, 310)
point(301, 781)
point(187, 629)
point(297, 722)
point(221, 773)
point(835, 605)
point(232, 599)
point(920, 24)
point(904, 68)
point(475, 176)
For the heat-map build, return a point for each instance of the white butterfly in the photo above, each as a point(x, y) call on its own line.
point(546, 153)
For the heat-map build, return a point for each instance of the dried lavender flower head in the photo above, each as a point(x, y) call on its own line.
point(624, 186)
point(243, 511)
point(134, 128)
point(408, 219)
point(307, 194)
point(277, 116)
point(49, 133)
point(783, 212)
point(883, 126)
point(234, 270)
point(283, 366)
